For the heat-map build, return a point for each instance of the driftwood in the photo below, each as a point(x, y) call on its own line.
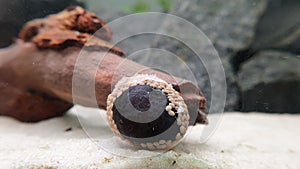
point(36, 72)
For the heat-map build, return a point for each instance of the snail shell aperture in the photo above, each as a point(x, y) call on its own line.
point(147, 112)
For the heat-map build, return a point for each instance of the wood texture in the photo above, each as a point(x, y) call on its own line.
point(36, 72)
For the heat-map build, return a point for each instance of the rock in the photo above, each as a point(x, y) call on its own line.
point(237, 28)
point(109, 15)
point(279, 27)
point(14, 13)
point(230, 25)
point(11, 19)
point(270, 82)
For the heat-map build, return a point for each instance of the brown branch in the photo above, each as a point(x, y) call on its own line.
point(71, 27)
point(36, 72)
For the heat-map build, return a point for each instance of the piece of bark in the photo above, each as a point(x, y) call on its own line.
point(30, 106)
point(51, 72)
point(42, 73)
point(71, 27)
